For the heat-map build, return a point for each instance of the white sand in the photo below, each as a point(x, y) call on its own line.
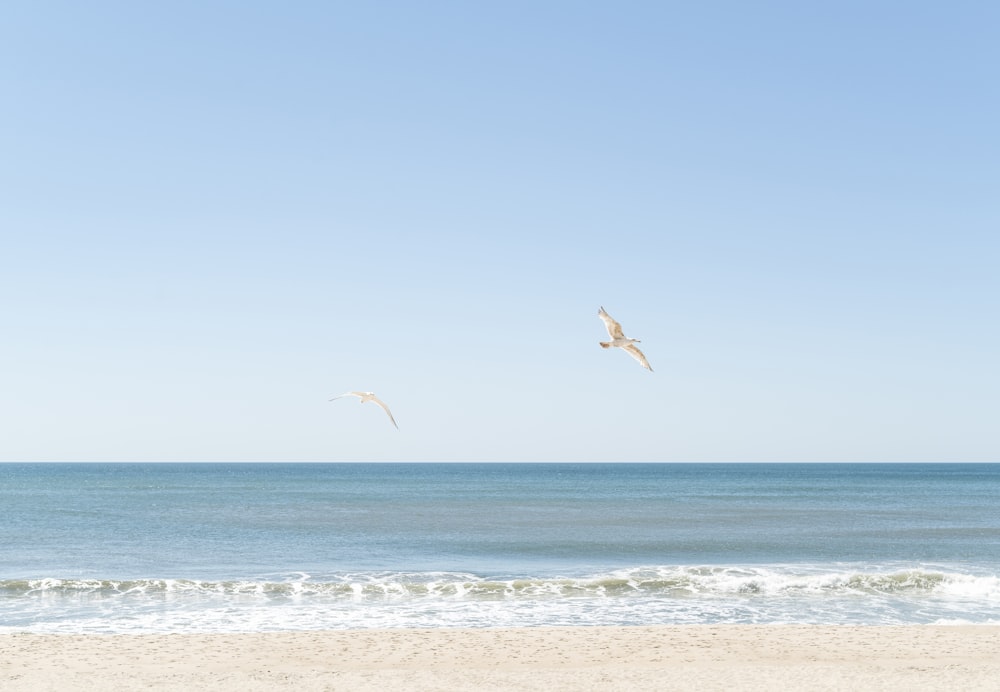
point(692, 657)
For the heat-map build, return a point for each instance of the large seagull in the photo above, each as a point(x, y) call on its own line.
point(369, 396)
point(621, 341)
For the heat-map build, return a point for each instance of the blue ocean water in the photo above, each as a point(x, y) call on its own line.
point(258, 547)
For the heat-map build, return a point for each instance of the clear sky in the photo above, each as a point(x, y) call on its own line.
point(214, 216)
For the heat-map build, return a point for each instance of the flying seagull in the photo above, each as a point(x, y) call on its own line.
point(619, 339)
point(369, 396)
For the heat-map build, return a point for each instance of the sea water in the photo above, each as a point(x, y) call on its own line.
point(143, 548)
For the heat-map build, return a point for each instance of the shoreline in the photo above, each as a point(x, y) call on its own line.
point(679, 657)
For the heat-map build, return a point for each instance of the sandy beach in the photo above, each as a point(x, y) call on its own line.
point(702, 657)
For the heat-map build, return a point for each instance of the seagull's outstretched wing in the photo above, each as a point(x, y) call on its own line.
point(357, 394)
point(386, 409)
point(634, 351)
point(614, 329)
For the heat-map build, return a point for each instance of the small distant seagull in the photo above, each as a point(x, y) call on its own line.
point(619, 339)
point(369, 396)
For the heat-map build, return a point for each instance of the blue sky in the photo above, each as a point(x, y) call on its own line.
point(216, 216)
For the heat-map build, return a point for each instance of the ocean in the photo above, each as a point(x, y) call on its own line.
point(149, 548)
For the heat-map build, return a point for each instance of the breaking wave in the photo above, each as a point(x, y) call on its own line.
point(634, 596)
point(670, 582)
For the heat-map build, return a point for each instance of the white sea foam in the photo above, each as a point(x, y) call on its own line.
point(673, 581)
point(832, 594)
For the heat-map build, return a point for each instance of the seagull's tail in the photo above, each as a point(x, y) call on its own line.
point(605, 344)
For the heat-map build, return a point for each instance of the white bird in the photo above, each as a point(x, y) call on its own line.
point(619, 340)
point(369, 396)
